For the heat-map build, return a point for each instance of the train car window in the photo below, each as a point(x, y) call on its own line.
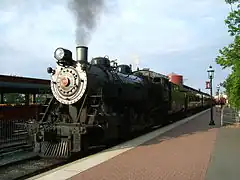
point(175, 87)
point(190, 97)
point(157, 80)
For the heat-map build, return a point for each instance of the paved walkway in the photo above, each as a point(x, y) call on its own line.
point(225, 159)
point(180, 154)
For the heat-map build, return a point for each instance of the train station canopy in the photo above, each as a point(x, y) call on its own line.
point(15, 84)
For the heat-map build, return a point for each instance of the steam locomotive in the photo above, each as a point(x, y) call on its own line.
point(99, 101)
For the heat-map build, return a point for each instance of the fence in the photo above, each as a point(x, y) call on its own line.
point(13, 132)
point(229, 116)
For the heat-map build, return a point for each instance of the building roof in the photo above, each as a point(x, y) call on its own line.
point(15, 84)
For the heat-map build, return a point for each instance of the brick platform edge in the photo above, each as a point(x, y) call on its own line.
point(180, 154)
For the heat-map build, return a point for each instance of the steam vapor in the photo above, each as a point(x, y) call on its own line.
point(136, 61)
point(87, 13)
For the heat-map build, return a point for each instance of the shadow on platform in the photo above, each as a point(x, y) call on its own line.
point(199, 124)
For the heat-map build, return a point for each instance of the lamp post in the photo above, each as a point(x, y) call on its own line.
point(218, 92)
point(211, 76)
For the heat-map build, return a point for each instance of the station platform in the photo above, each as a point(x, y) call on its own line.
point(187, 150)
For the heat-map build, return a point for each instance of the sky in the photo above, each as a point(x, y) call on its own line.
point(180, 36)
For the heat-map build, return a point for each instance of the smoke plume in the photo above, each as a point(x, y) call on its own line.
point(87, 14)
point(135, 61)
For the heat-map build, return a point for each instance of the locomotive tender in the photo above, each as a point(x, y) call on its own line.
point(98, 101)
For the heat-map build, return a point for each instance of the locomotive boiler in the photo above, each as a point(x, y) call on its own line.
point(73, 79)
point(93, 102)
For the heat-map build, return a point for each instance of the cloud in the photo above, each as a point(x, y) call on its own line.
point(169, 36)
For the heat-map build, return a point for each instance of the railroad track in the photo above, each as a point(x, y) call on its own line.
point(26, 168)
point(23, 165)
point(27, 164)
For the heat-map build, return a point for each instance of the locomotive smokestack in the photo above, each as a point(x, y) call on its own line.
point(82, 54)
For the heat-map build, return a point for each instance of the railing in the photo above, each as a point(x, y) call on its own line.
point(12, 134)
point(13, 131)
point(229, 116)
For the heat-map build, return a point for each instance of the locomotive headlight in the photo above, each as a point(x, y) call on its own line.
point(59, 54)
point(63, 55)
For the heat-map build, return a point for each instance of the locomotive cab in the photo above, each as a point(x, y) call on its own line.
point(124, 69)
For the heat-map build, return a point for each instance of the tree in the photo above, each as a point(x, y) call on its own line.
point(13, 98)
point(230, 56)
point(16, 98)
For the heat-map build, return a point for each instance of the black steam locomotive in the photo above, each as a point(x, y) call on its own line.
point(94, 103)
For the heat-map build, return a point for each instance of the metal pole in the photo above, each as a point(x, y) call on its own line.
point(212, 123)
point(222, 116)
point(2, 98)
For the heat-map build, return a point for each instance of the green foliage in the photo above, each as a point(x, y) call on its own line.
point(231, 1)
point(13, 98)
point(230, 55)
point(16, 98)
point(233, 21)
point(41, 98)
point(233, 89)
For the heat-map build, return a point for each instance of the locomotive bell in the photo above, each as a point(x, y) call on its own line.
point(82, 54)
